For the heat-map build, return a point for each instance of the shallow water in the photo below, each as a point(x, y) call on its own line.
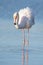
point(15, 56)
point(11, 39)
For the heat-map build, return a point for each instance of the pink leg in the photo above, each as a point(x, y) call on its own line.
point(23, 38)
point(28, 36)
point(27, 49)
point(23, 54)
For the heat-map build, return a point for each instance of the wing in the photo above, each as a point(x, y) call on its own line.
point(22, 23)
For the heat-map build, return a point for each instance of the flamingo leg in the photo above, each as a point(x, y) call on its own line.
point(27, 49)
point(23, 53)
point(28, 37)
point(23, 38)
point(25, 42)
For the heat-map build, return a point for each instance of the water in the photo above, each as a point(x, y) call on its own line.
point(12, 56)
point(11, 41)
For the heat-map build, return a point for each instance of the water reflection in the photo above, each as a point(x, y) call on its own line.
point(25, 57)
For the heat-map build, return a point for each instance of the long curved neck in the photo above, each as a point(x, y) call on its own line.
point(17, 18)
point(17, 26)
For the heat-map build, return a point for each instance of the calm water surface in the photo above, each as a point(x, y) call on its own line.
point(11, 40)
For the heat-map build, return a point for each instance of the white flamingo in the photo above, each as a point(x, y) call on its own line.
point(24, 19)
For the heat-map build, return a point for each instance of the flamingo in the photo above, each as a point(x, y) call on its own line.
point(24, 19)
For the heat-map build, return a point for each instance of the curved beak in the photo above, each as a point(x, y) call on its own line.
point(15, 19)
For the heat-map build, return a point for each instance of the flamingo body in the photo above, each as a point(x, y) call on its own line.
point(24, 19)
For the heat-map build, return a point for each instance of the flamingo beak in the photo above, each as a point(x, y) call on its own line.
point(15, 17)
point(14, 23)
point(15, 20)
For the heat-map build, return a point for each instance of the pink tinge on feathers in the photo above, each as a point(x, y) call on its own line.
point(26, 18)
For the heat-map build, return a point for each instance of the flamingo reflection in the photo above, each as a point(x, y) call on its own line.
point(25, 57)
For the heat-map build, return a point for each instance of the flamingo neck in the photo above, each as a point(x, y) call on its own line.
point(17, 20)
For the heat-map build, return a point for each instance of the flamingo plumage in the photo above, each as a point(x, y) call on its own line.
point(24, 19)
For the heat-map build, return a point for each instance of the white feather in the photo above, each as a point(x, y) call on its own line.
point(26, 18)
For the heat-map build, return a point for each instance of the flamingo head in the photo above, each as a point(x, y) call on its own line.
point(16, 18)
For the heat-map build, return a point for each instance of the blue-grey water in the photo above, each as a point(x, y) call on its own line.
point(11, 39)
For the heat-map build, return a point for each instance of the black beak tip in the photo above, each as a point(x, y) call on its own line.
point(14, 23)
